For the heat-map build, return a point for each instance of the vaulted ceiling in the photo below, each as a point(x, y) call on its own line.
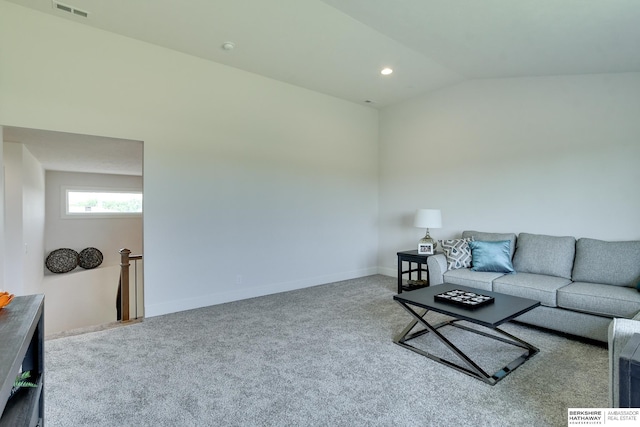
point(338, 47)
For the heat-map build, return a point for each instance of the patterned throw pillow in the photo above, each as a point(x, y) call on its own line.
point(458, 253)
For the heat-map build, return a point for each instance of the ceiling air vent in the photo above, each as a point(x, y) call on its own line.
point(69, 9)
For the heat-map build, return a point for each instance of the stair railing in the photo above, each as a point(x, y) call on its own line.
point(123, 306)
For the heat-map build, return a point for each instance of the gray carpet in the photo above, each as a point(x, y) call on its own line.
point(321, 356)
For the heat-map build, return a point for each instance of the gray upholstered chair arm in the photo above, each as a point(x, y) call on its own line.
point(437, 265)
point(620, 332)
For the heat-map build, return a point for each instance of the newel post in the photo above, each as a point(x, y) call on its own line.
point(124, 283)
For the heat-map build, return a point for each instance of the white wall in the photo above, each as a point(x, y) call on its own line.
point(24, 220)
point(2, 216)
point(33, 222)
point(109, 235)
point(13, 238)
point(552, 155)
point(251, 186)
point(81, 297)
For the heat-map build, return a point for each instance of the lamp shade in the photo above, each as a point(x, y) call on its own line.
point(428, 218)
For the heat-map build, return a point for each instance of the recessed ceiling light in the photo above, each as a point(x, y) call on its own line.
point(386, 71)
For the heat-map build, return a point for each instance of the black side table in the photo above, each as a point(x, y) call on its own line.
point(412, 257)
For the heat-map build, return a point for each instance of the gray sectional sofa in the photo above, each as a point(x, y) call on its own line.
point(582, 284)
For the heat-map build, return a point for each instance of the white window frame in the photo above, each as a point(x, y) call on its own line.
point(75, 215)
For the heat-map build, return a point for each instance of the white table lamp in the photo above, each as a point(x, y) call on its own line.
point(427, 218)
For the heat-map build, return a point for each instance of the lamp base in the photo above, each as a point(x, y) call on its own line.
point(426, 245)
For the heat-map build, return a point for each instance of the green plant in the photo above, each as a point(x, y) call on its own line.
point(21, 380)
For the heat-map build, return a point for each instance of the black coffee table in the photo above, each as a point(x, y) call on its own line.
point(503, 309)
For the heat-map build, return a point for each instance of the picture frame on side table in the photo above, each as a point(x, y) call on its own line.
point(425, 248)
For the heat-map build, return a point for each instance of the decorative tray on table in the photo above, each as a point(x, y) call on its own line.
point(464, 298)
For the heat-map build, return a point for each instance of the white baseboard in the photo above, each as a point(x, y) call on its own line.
point(174, 306)
point(386, 271)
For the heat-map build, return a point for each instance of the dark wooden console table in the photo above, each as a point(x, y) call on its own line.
point(22, 341)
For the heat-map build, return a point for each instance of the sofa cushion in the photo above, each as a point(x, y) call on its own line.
point(457, 252)
point(474, 279)
point(491, 256)
point(492, 237)
point(610, 263)
point(605, 300)
point(548, 255)
point(533, 286)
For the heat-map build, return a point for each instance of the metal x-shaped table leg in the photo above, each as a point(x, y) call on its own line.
point(471, 368)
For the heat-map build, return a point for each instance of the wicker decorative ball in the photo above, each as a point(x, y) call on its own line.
point(62, 260)
point(90, 258)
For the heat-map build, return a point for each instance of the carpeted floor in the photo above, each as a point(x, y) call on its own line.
point(321, 356)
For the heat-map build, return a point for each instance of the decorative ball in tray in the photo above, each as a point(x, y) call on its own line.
point(5, 299)
point(464, 298)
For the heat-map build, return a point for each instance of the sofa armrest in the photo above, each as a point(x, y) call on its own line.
point(437, 265)
point(620, 332)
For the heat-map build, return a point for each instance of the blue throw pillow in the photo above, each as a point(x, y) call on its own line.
point(491, 256)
